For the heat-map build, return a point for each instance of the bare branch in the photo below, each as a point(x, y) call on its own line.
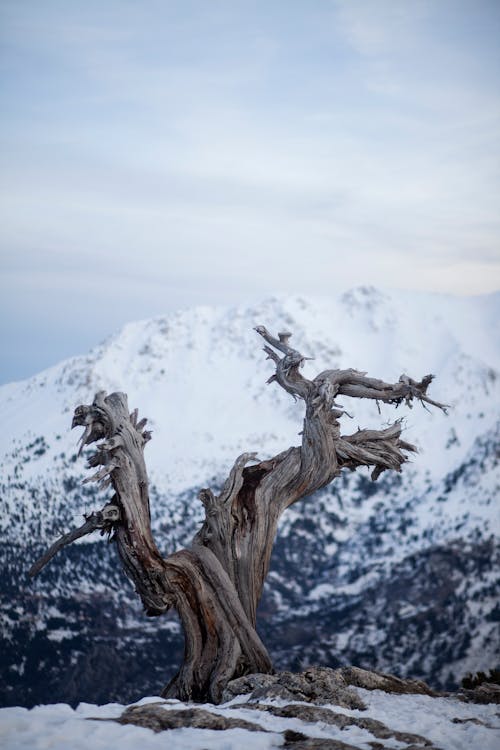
point(287, 367)
point(357, 385)
point(101, 519)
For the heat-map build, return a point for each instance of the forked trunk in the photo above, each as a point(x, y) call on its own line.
point(216, 584)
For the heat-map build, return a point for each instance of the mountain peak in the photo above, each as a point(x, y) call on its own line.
point(403, 567)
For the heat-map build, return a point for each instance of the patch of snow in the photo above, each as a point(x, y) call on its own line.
point(320, 591)
point(433, 718)
point(59, 634)
point(59, 727)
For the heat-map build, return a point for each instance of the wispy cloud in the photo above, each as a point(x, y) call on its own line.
point(212, 147)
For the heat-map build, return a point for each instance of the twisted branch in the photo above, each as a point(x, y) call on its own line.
point(215, 585)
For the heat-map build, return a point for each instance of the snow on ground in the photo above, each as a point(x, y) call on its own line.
point(448, 723)
point(433, 718)
point(59, 727)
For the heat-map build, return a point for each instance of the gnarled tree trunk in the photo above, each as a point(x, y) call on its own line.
point(216, 584)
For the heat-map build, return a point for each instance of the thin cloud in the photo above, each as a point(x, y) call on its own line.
point(217, 147)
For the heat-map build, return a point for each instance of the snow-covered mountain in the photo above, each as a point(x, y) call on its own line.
point(401, 574)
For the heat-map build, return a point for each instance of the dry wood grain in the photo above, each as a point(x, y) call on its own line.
point(216, 584)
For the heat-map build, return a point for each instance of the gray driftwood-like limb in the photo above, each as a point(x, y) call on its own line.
point(215, 585)
point(102, 519)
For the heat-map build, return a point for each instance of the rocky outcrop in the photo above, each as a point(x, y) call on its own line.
point(380, 681)
point(315, 685)
point(323, 685)
point(314, 714)
point(327, 709)
point(297, 741)
point(154, 716)
point(487, 692)
point(164, 715)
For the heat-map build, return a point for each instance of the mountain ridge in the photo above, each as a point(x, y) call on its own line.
point(199, 376)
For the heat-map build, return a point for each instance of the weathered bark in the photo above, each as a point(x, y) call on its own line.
point(216, 584)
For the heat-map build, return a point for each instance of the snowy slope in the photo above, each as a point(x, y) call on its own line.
point(199, 376)
point(398, 575)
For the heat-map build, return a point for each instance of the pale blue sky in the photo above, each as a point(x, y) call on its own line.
point(159, 154)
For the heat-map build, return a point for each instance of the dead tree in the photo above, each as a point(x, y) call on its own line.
point(216, 583)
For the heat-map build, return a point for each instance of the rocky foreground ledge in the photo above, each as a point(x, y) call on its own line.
point(307, 698)
point(330, 709)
